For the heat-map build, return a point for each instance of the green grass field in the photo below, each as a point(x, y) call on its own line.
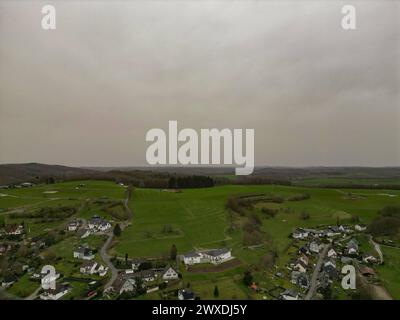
point(347, 181)
point(199, 217)
point(62, 194)
point(65, 193)
point(389, 272)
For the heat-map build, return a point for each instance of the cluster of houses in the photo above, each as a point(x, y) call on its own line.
point(214, 256)
point(95, 225)
point(13, 230)
point(98, 224)
point(343, 250)
point(92, 268)
point(22, 185)
point(329, 232)
point(127, 281)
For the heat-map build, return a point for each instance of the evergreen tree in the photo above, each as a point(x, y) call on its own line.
point(216, 292)
point(174, 252)
point(117, 230)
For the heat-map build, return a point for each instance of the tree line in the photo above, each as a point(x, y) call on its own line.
point(190, 182)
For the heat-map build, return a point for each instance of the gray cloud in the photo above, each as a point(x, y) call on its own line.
point(86, 93)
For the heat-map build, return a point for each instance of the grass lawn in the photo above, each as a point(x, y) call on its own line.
point(228, 289)
point(389, 272)
point(24, 287)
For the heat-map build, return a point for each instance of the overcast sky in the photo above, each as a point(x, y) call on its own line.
point(87, 92)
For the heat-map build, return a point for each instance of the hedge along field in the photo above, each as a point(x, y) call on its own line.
point(197, 218)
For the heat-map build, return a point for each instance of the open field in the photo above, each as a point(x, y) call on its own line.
point(65, 193)
point(57, 195)
point(389, 272)
point(199, 219)
point(347, 181)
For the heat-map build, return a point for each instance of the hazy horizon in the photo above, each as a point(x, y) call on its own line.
point(196, 166)
point(85, 94)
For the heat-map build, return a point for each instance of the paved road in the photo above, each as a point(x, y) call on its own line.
point(106, 258)
point(377, 248)
point(103, 251)
point(314, 277)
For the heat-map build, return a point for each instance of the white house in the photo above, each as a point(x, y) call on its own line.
point(332, 253)
point(104, 226)
point(102, 270)
point(360, 227)
point(330, 268)
point(192, 258)
point(300, 234)
point(73, 226)
point(170, 274)
point(352, 247)
point(304, 258)
point(8, 281)
point(217, 256)
point(83, 253)
point(300, 266)
point(55, 294)
point(330, 263)
point(124, 283)
point(214, 256)
point(27, 184)
point(315, 247)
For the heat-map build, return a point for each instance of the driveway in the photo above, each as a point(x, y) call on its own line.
point(377, 248)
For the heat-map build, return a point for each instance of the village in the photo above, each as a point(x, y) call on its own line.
point(102, 275)
point(317, 256)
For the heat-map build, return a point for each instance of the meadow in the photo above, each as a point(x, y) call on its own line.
point(71, 194)
point(64, 193)
point(389, 272)
point(198, 217)
point(330, 181)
